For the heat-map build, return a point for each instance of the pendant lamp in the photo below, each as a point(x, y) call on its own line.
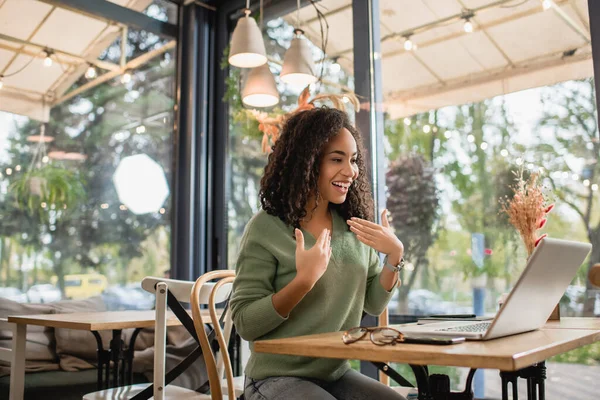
point(260, 89)
point(298, 67)
point(247, 45)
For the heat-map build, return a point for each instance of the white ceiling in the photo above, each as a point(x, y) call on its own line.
point(58, 29)
point(515, 46)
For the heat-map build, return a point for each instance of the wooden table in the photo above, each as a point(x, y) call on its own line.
point(574, 323)
point(512, 354)
point(120, 355)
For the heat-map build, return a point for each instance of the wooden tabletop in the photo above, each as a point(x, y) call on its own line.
point(98, 321)
point(574, 323)
point(507, 354)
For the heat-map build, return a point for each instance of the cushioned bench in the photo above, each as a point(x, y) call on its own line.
point(60, 362)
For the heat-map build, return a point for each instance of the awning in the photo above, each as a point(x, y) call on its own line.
point(27, 27)
point(515, 45)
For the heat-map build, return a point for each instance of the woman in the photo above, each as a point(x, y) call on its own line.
point(308, 261)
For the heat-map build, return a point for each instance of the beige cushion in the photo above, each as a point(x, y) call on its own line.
point(76, 349)
point(39, 349)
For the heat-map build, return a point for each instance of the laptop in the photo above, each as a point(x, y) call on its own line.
point(548, 273)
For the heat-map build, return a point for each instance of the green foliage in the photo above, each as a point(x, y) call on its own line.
point(413, 202)
point(587, 355)
point(48, 188)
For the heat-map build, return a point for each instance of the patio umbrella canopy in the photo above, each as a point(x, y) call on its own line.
point(27, 29)
point(515, 45)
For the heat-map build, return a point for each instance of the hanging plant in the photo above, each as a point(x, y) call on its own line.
point(48, 188)
point(46, 191)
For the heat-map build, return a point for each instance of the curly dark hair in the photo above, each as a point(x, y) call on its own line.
point(292, 171)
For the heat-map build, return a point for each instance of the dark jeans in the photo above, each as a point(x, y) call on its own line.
point(351, 386)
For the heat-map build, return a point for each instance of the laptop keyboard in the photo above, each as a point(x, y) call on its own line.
point(475, 328)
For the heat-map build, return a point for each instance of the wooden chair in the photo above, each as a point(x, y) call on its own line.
point(205, 293)
point(216, 369)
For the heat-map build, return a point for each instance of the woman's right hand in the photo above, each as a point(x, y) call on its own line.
point(311, 264)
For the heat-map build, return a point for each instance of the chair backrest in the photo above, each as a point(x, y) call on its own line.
point(209, 292)
point(214, 369)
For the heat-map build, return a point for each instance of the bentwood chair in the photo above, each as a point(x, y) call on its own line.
point(204, 293)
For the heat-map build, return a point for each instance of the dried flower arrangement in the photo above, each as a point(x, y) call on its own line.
point(271, 125)
point(527, 209)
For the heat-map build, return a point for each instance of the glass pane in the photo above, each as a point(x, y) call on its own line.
point(85, 198)
point(470, 103)
point(248, 144)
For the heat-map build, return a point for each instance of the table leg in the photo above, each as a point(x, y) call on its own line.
point(535, 376)
point(116, 350)
point(17, 364)
point(512, 378)
point(129, 356)
point(103, 363)
point(422, 376)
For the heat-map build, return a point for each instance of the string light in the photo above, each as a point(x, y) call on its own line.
point(1, 81)
point(407, 121)
point(91, 72)
point(126, 77)
point(408, 44)
point(546, 4)
point(468, 26)
point(48, 60)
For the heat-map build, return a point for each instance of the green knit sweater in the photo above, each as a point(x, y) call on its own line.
point(266, 264)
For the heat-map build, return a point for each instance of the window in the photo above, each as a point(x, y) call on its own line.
point(457, 129)
point(87, 193)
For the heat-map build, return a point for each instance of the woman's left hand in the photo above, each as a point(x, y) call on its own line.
point(380, 237)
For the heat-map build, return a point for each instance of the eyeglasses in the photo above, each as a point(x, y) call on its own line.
point(380, 335)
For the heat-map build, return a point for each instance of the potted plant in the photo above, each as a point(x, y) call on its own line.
point(46, 188)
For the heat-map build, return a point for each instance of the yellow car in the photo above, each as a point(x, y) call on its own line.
point(81, 286)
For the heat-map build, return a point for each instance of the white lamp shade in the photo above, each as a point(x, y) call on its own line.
point(260, 89)
point(298, 67)
point(247, 46)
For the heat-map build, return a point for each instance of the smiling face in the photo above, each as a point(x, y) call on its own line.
point(338, 167)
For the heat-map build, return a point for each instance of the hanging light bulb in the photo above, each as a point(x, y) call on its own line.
point(468, 26)
point(546, 4)
point(126, 77)
point(298, 67)
point(260, 89)
point(408, 44)
point(247, 45)
point(1, 81)
point(48, 59)
point(91, 72)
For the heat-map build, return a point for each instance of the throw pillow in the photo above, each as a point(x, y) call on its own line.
point(40, 339)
